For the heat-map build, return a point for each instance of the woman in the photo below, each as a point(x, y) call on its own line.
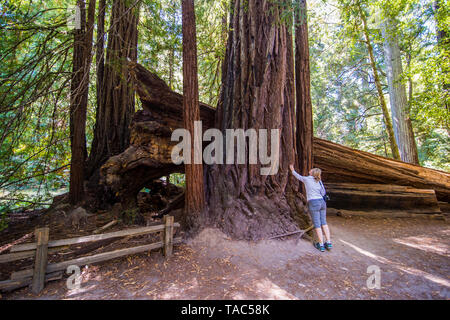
point(317, 205)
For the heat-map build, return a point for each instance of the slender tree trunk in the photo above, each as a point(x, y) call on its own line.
point(404, 133)
point(111, 133)
point(171, 66)
point(258, 93)
point(442, 34)
point(305, 131)
point(194, 194)
point(100, 51)
point(443, 46)
point(79, 99)
point(386, 116)
point(172, 57)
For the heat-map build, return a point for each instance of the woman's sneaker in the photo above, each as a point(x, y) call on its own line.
point(328, 245)
point(320, 247)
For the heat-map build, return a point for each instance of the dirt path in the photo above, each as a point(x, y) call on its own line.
point(412, 254)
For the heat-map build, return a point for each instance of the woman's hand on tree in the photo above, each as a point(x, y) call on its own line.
point(291, 167)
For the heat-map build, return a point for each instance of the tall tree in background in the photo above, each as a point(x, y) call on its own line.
point(194, 192)
point(305, 131)
point(100, 51)
point(117, 105)
point(386, 116)
point(258, 93)
point(79, 88)
point(403, 130)
point(440, 13)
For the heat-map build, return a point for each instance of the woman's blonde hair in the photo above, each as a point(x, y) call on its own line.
point(316, 173)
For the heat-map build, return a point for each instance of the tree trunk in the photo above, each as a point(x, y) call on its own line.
point(404, 133)
point(194, 194)
point(258, 93)
point(79, 99)
point(111, 133)
point(441, 32)
point(443, 39)
point(100, 51)
point(305, 131)
point(386, 116)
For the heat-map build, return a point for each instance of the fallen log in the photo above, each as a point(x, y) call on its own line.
point(383, 214)
point(148, 157)
point(362, 197)
point(302, 232)
point(342, 164)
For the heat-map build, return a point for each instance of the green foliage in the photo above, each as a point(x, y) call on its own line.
point(161, 38)
point(344, 98)
point(35, 64)
point(178, 179)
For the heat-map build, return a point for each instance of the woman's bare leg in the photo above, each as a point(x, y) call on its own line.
point(326, 231)
point(319, 235)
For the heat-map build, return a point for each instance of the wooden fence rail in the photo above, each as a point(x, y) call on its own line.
point(43, 272)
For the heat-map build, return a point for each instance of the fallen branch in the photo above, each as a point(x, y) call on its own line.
point(292, 233)
point(9, 245)
point(106, 226)
point(174, 204)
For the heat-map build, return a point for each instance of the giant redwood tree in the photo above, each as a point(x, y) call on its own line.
point(116, 104)
point(194, 193)
point(257, 93)
point(79, 99)
point(403, 129)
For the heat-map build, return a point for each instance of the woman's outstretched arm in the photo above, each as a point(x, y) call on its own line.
point(299, 177)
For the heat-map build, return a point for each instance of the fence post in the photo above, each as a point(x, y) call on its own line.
point(40, 263)
point(168, 235)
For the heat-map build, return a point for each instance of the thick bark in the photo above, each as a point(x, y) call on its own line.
point(305, 131)
point(194, 194)
point(79, 99)
point(386, 116)
point(111, 133)
point(403, 130)
point(257, 94)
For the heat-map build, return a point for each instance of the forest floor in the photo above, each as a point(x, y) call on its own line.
point(412, 254)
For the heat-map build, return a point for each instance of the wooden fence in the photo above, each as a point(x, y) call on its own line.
point(40, 249)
